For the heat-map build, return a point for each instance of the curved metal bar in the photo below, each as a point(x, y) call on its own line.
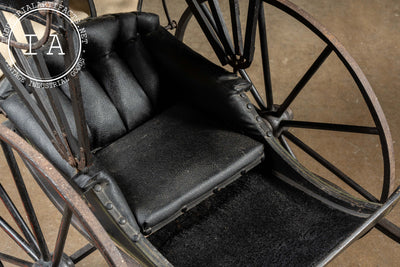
point(364, 228)
point(362, 83)
point(171, 23)
point(182, 24)
point(92, 8)
point(74, 201)
point(35, 45)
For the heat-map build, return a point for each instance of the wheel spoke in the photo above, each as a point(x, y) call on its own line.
point(18, 219)
point(285, 144)
point(208, 30)
point(18, 239)
point(253, 90)
point(62, 236)
point(14, 260)
point(221, 26)
point(23, 193)
point(251, 26)
point(209, 17)
point(304, 80)
point(265, 58)
point(236, 26)
point(82, 253)
point(332, 168)
point(330, 127)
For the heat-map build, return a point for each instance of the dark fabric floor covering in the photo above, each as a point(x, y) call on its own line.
point(256, 221)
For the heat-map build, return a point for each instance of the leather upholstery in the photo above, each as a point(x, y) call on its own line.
point(173, 160)
point(164, 157)
point(204, 84)
point(121, 87)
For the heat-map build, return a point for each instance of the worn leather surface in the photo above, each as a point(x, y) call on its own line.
point(173, 159)
point(162, 158)
point(205, 85)
point(120, 85)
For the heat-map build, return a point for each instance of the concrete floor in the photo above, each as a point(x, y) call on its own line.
point(370, 30)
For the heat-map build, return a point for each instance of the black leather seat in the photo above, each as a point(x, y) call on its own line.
point(164, 155)
point(172, 161)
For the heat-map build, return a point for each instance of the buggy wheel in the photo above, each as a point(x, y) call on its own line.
point(30, 235)
point(290, 143)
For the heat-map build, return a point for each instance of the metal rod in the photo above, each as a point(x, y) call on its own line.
point(182, 24)
point(27, 99)
point(18, 239)
point(253, 90)
point(35, 45)
point(364, 228)
point(285, 144)
point(18, 219)
point(62, 236)
point(222, 29)
point(209, 17)
point(236, 26)
point(82, 253)
point(171, 23)
point(22, 60)
point(139, 5)
point(14, 260)
point(330, 127)
point(389, 229)
point(43, 101)
point(207, 29)
point(330, 167)
point(92, 8)
point(84, 152)
point(304, 80)
point(26, 201)
point(250, 36)
point(265, 58)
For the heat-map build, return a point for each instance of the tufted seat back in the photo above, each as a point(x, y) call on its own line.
point(120, 86)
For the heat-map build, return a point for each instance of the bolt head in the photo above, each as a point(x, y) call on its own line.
point(97, 188)
point(122, 221)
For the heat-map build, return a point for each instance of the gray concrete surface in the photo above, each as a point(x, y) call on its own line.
point(369, 29)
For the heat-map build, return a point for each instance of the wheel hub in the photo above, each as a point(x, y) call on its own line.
point(275, 120)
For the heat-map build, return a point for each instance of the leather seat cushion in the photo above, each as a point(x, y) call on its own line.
point(173, 160)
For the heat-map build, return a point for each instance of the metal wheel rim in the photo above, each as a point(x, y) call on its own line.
point(358, 76)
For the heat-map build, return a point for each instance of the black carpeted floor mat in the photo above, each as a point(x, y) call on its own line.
point(256, 221)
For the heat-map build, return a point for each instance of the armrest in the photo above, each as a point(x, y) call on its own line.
point(203, 84)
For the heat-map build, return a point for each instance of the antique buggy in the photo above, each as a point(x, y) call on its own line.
point(158, 156)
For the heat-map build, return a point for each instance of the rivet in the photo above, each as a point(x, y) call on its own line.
point(135, 238)
point(109, 206)
point(249, 106)
point(243, 95)
point(97, 188)
point(259, 119)
point(122, 221)
point(269, 133)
